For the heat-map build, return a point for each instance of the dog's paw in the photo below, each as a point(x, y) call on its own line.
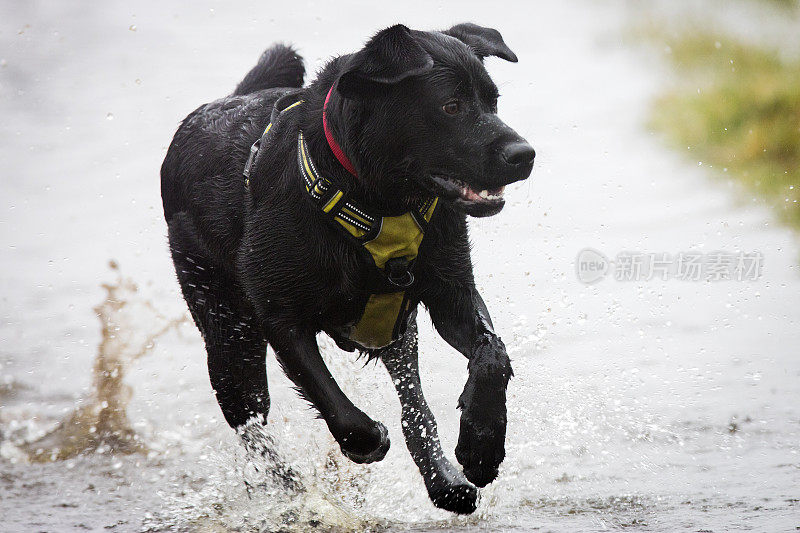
point(366, 448)
point(481, 448)
point(460, 498)
point(481, 441)
point(449, 489)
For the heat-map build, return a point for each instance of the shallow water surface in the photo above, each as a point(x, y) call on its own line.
point(645, 405)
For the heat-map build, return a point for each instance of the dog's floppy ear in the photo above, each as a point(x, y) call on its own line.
point(390, 56)
point(483, 41)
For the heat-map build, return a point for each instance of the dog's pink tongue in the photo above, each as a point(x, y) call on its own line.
point(470, 194)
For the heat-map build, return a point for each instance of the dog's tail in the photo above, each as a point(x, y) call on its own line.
point(278, 66)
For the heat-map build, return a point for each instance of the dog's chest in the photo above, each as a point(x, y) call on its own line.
point(367, 285)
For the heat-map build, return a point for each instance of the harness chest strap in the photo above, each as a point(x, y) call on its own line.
point(389, 241)
point(386, 240)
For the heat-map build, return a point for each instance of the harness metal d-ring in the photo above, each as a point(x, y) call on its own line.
point(405, 282)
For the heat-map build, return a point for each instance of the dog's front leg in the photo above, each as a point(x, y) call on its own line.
point(361, 439)
point(447, 487)
point(461, 318)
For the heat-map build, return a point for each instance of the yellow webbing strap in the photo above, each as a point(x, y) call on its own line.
point(350, 216)
point(287, 108)
point(390, 237)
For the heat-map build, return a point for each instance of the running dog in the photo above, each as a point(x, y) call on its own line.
point(340, 207)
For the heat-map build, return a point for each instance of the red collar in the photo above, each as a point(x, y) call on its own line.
point(335, 148)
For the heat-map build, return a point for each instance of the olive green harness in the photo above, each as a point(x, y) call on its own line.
point(391, 243)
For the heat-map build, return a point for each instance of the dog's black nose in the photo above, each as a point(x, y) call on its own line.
point(518, 154)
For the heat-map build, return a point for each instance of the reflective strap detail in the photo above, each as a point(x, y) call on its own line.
point(428, 208)
point(350, 226)
point(354, 214)
point(305, 167)
point(424, 212)
point(360, 213)
point(307, 179)
point(319, 189)
point(352, 218)
point(332, 202)
point(376, 327)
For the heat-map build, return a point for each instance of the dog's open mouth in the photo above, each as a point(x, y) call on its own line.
point(485, 202)
point(463, 191)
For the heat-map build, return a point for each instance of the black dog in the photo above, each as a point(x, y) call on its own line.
point(325, 233)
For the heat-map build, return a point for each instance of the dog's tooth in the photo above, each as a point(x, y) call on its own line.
point(484, 194)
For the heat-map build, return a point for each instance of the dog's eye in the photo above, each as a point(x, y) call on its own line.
point(452, 107)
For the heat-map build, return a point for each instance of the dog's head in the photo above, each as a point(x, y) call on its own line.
point(423, 117)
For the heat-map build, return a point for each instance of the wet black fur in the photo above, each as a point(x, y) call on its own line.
point(263, 265)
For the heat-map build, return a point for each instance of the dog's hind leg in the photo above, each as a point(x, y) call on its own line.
point(234, 342)
point(235, 345)
point(447, 486)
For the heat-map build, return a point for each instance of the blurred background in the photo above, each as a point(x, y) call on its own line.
point(643, 402)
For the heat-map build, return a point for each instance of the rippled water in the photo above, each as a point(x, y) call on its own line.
point(652, 405)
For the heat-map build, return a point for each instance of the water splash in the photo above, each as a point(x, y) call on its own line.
point(258, 483)
point(129, 326)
